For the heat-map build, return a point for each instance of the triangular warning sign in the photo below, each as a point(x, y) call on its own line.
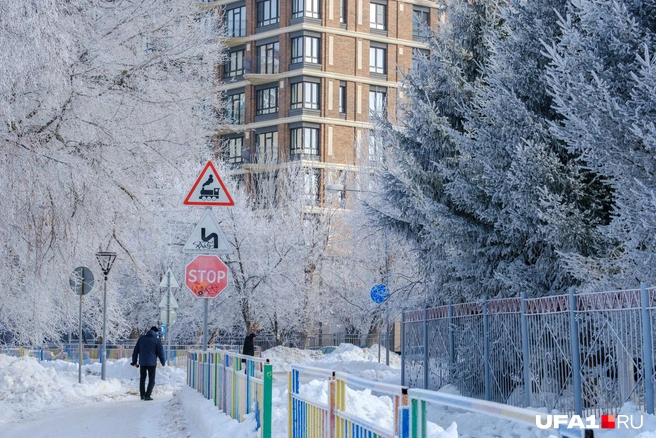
point(164, 303)
point(169, 278)
point(209, 189)
point(207, 237)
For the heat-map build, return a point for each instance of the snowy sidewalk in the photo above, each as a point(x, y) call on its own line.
point(126, 418)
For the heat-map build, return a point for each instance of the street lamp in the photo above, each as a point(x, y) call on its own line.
point(106, 260)
point(342, 189)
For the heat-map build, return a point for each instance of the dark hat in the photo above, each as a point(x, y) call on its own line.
point(154, 328)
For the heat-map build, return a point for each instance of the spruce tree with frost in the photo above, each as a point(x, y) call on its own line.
point(601, 75)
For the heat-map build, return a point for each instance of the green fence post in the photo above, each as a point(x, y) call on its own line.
point(267, 400)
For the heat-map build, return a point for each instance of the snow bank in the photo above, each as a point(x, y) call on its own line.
point(27, 386)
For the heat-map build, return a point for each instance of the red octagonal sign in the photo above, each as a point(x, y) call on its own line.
point(206, 276)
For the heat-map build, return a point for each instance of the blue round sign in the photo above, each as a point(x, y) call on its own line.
point(379, 293)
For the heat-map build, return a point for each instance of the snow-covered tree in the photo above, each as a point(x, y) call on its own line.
point(103, 106)
point(516, 172)
point(494, 200)
point(360, 256)
point(602, 79)
point(424, 148)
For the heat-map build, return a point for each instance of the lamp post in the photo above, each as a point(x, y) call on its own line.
point(106, 260)
point(340, 188)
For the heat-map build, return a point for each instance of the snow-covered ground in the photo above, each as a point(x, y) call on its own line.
point(45, 400)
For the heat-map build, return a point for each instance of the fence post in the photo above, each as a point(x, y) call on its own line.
point(290, 409)
point(331, 405)
point(417, 418)
point(267, 395)
point(402, 347)
point(647, 358)
point(576, 352)
point(452, 342)
point(425, 370)
point(486, 351)
point(404, 415)
point(525, 352)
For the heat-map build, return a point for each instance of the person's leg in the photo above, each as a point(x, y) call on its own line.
point(151, 380)
point(142, 381)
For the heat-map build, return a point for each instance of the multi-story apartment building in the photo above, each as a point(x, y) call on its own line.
point(303, 78)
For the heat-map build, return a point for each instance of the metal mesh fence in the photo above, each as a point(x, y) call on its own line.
point(581, 353)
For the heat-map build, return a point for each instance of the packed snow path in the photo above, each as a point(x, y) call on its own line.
point(127, 418)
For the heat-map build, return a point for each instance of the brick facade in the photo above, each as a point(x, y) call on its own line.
point(343, 60)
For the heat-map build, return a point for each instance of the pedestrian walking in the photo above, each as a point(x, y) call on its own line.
point(148, 350)
point(249, 347)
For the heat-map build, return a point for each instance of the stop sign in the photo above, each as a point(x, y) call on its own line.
point(206, 276)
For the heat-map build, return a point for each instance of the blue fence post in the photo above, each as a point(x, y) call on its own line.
point(403, 350)
point(248, 385)
point(425, 348)
point(576, 352)
point(404, 422)
point(486, 351)
point(525, 352)
point(647, 358)
point(452, 342)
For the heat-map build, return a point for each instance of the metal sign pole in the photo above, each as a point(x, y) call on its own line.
point(387, 336)
point(103, 360)
point(205, 310)
point(168, 316)
point(81, 283)
point(387, 345)
point(79, 345)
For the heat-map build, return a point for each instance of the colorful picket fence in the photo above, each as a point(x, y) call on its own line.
point(237, 384)
point(333, 418)
point(311, 418)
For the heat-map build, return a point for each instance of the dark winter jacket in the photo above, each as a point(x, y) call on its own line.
point(249, 347)
point(148, 349)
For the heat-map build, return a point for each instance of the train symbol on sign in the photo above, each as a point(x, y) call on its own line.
point(209, 194)
point(209, 189)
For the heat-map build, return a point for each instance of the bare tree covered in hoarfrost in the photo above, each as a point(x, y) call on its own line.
point(361, 256)
point(104, 108)
point(279, 238)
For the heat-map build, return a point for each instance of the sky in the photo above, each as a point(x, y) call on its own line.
point(45, 400)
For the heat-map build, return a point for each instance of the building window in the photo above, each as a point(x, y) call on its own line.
point(236, 22)
point(234, 66)
point(267, 147)
point(375, 147)
point(269, 56)
point(342, 11)
point(305, 8)
point(377, 103)
point(305, 49)
point(305, 95)
point(233, 147)
point(377, 60)
point(235, 108)
point(267, 13)
point(342, 99)
point(378, 16)
point(304, 141)
point(311, 186)
point(420, 18)
point(267, 101)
